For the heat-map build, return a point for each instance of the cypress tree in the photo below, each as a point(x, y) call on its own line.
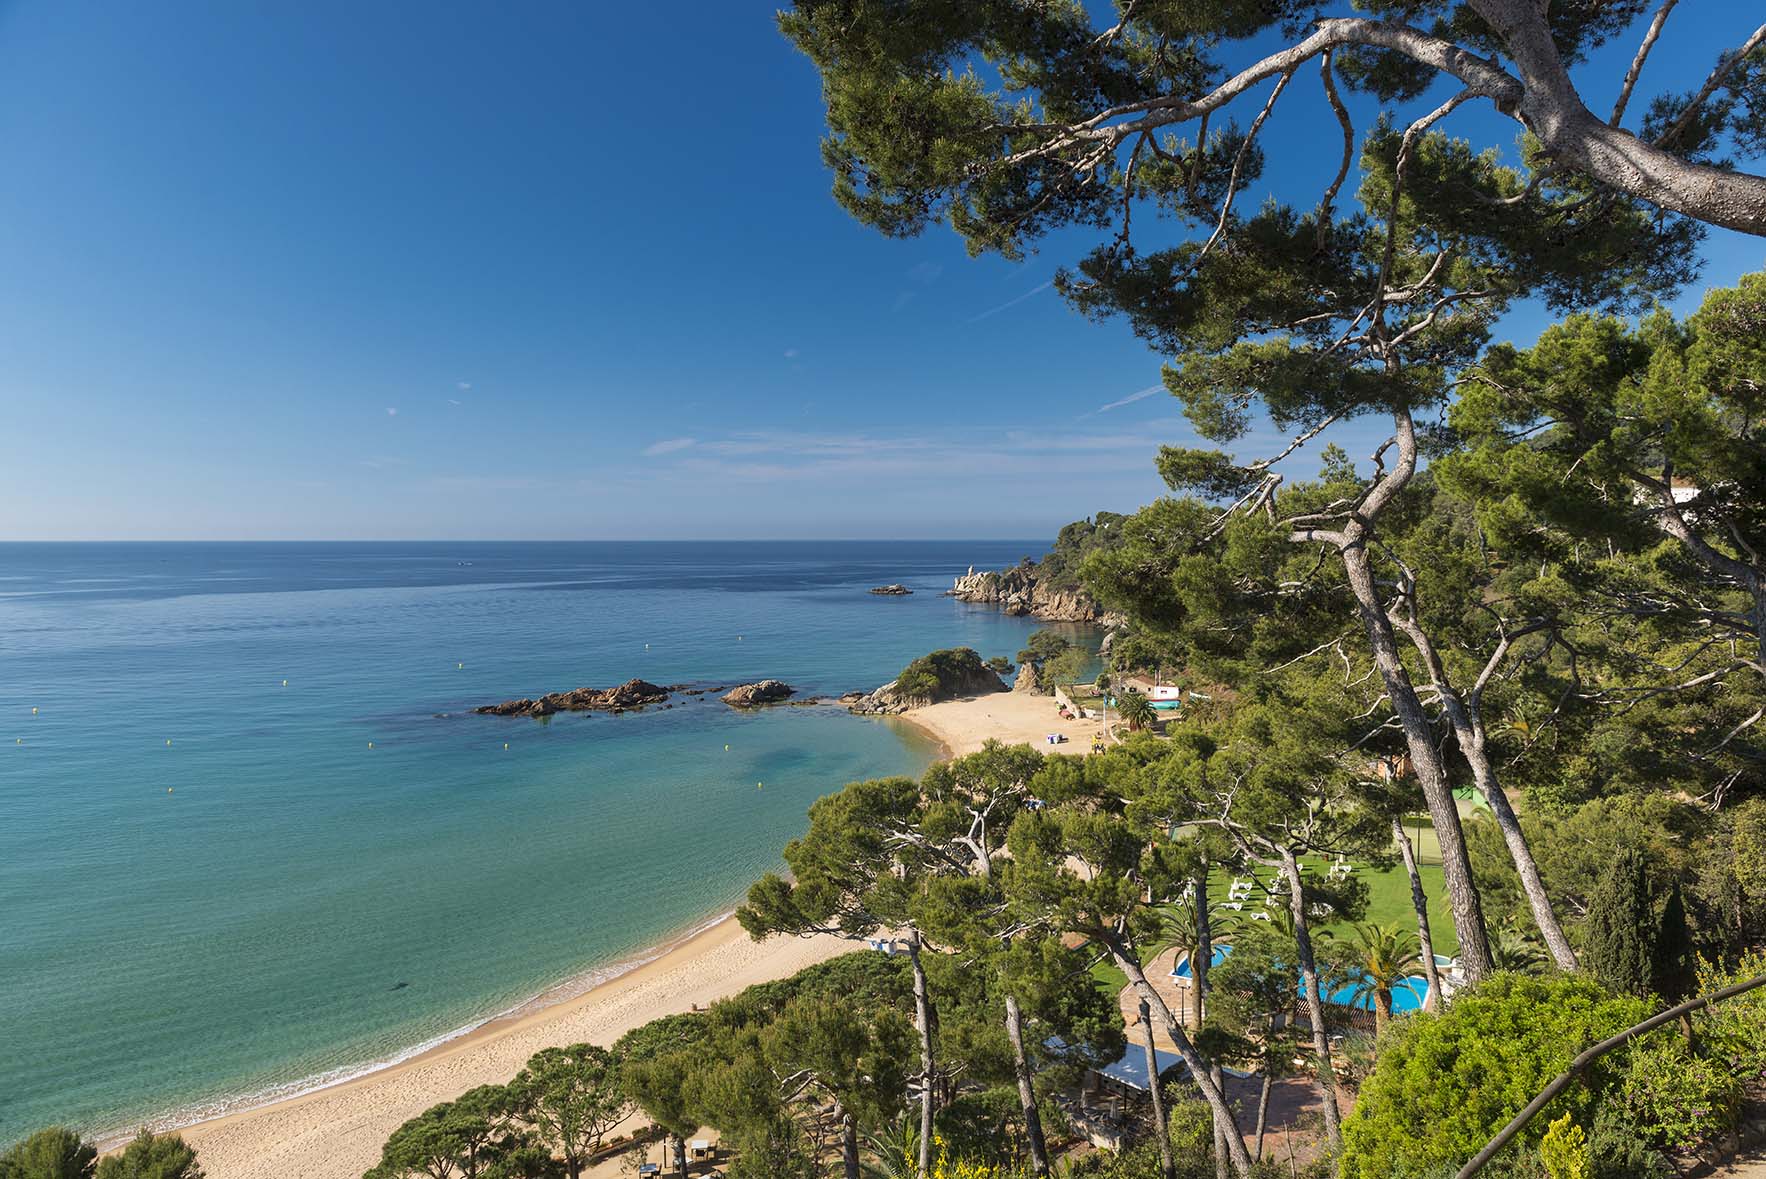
point(1622, 927)
point(1673, 975)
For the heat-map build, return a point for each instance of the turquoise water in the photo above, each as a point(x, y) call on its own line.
point(1408, 993)
point(186, 925)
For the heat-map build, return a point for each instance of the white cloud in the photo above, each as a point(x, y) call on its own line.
point(454, 401)
point(667, 446)
point(391, 412)
point(462, 385)
point(791, 354)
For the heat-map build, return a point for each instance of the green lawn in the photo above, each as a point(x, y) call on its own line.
point(1388, 903)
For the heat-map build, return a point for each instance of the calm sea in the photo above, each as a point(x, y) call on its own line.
point(250, 836)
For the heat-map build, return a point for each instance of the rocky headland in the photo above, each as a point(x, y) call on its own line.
point(1023, 590)
point(941, 675)
point(630, 695)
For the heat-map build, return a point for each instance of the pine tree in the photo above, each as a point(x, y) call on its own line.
point(1622, 927)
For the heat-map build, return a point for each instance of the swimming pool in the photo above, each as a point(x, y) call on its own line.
point(1407, 995)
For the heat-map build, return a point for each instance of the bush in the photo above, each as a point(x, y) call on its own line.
point(1446, 1083)
point(1676, 1098)
point(1564, 1150)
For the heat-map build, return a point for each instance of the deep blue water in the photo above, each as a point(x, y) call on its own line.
point(211, 884)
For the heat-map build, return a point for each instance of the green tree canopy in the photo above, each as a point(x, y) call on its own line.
point(152, 1156)
point(572, 1097)
point(52, 1153)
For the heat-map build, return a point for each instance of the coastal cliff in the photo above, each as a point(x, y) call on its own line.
point(1023, 590)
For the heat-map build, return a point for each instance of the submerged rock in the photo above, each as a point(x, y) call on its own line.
point(629, 695)
point(763, 692)
point(894, 590)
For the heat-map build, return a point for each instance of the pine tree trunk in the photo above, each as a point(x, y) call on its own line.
point(680, 1149)
point(1203, 958)
point(1484, 776)
point(1419, 900)
point(1161, 1128)
point(1321, 1044)
point(1263, 1111)
point(923, 1022)
point(1220, 1171)
point(1465, 715)
point(849, 1144)
point(1130, 965)
point(1039, 1150)
point(1419, 737)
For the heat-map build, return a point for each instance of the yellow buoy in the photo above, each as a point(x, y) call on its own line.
point(168, 740)
point(757, 785)
point(505, 745)
point(168, 789)
point(284, 683)
point(33, 710)
point(726, 749)
point(459, 667)
point(370, 745)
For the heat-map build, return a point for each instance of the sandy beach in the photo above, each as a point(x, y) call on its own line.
point(963, 726)
point(337, 1133)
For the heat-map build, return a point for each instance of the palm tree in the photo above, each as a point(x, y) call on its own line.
point(896, 1150)
point(1512, 949)
point(1385, 955)
point(1137, 710)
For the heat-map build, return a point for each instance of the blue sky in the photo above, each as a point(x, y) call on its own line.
point(433, 270)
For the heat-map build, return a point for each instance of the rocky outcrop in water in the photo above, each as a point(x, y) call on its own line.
point(1021, 590)
point(763, 692)
point(942, 675)
point(895, 590)
point(629, 695)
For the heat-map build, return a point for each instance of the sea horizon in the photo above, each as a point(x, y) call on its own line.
point(221, 894)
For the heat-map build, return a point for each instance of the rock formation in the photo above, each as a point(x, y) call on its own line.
point(629, 695)
point(942, 675)
point(763, 692)
point(894, 590)
point(1021, 590)
point(1029, 679)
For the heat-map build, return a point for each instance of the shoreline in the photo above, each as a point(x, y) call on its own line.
point(576, 986)
point(334, 1128)
point(337, 1129)
point(963, 726)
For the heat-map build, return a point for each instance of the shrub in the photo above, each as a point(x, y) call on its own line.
point(1674, 1097)
point(1564, 1150)
point(1446, 1083)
